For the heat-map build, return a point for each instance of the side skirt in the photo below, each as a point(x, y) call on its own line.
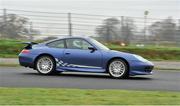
point(100, 70)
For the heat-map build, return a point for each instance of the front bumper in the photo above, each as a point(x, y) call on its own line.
point(140, 68)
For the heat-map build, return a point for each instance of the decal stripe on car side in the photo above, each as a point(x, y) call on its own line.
point(61, 63)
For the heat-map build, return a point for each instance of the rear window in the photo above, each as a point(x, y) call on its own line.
point(57, 44)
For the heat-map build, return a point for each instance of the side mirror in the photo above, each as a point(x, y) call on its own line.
point(92, 48)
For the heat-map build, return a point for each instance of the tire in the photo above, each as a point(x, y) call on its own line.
point(118, 68)
point(46, 65)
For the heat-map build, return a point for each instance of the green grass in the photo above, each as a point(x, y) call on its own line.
point(49, 96)
point(9, 65)
point(11, 48)
point(151, 52)
point(5, 55)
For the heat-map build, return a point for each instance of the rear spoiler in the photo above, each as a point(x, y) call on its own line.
point(29, 44)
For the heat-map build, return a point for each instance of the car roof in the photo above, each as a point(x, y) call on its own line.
point(74, 37)
point(67, 37)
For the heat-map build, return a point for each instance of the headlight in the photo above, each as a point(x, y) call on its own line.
point(140, 58)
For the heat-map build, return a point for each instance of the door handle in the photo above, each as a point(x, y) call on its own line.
point(67, 53)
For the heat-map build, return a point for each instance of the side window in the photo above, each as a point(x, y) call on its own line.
point(85, 45)
point(57, 44)
point(77, 44)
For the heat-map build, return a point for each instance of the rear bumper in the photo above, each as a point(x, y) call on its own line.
point(141, 68)
point(26, 60)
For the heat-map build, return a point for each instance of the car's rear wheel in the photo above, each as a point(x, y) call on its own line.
point(45, 65)
point(118, 68)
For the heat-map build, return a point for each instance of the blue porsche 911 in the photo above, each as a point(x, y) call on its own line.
point(81, 54)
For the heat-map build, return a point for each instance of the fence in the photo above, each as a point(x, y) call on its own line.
point(117, 28)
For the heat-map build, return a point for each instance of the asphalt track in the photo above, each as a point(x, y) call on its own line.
point(25, 77)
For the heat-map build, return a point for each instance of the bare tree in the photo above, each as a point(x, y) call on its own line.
point(13, 26)
point(109, 29)
point(127, 29)
point(113, 29)
point(163, 30)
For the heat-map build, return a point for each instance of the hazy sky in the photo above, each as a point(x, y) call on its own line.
point(134, 8)
point(157, 8)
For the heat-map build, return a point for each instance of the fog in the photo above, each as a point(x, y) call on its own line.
point(156, 8)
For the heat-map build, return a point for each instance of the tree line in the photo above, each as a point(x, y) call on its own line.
point(15, 26)
point(111, 29)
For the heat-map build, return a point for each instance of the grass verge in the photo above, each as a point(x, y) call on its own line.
point(11, 48)
point(9, 65)
point(156, 68)
point(172, 69)
point(50, 96)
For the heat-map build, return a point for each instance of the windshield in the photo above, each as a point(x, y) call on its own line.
point(99, 45)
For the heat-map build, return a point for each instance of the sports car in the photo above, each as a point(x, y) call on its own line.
point(82, 54)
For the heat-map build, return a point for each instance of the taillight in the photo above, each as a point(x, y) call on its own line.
point(25, 51)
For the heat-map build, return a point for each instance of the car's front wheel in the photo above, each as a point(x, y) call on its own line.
point(45, 65)
point(118, 68)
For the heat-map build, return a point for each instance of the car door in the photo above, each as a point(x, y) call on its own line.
point(56, 49)
point(78, 55)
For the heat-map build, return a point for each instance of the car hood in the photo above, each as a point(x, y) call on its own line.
point(119, 52)
point(128, 56)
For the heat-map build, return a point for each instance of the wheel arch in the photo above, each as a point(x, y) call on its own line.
point(40, 55)
point(109, 61)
